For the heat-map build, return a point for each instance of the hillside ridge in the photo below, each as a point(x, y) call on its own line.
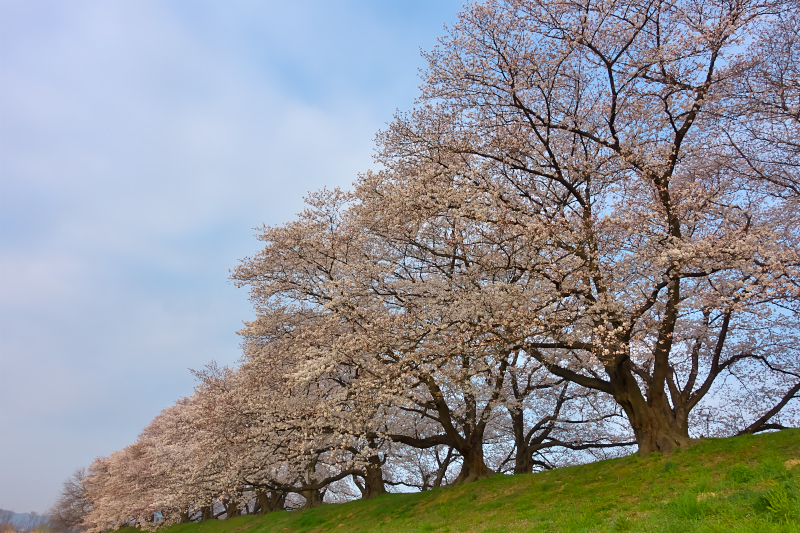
point(739, 484)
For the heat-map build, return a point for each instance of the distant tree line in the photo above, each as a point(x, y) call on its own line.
point(11, 522)
point(583, 241)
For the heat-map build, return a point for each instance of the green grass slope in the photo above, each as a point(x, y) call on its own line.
point(741, 484)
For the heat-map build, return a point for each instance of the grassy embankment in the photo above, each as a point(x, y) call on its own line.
point(741, 484)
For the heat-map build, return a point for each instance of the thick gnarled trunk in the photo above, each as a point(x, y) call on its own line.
point(523, 463)
point(656, 433)
point(313, 498)
point(206, 513)
point(232, 509)
point(656, 425)
point(373, 480)
point(473, 466)
point(270, 501)
point(374, 485)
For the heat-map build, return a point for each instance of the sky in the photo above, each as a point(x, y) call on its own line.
point(141, 142)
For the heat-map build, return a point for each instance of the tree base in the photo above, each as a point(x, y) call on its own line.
point(473, 471)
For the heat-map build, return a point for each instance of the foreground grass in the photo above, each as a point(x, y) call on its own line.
point(741, 484)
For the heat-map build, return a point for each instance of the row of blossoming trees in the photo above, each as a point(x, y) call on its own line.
point(584, 235)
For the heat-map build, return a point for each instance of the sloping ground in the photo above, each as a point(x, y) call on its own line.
point(741, 484)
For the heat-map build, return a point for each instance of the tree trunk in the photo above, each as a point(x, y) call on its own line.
point(373, 480)
point(473, 466)
point(232, 509)
point(425, 484)
point(657, 433)
point(655, 424)
point(313, 498)
point(206, 513)
point(270, 501)
point(523, 462)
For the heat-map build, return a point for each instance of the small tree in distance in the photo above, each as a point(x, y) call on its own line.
point(33, 521)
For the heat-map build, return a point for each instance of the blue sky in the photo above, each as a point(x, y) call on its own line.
point(140, 143)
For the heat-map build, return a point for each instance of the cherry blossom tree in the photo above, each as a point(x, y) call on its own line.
point(72, 504)
point(286, 437)
point(579, 132)
point(398, 323)
point(583, 236)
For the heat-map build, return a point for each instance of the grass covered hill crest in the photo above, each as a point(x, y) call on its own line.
point(740, 484)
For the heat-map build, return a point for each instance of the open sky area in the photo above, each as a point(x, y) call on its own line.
point(140, 144)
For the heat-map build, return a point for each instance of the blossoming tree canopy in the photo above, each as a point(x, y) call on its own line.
point(584, 236)
point(588, 135)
